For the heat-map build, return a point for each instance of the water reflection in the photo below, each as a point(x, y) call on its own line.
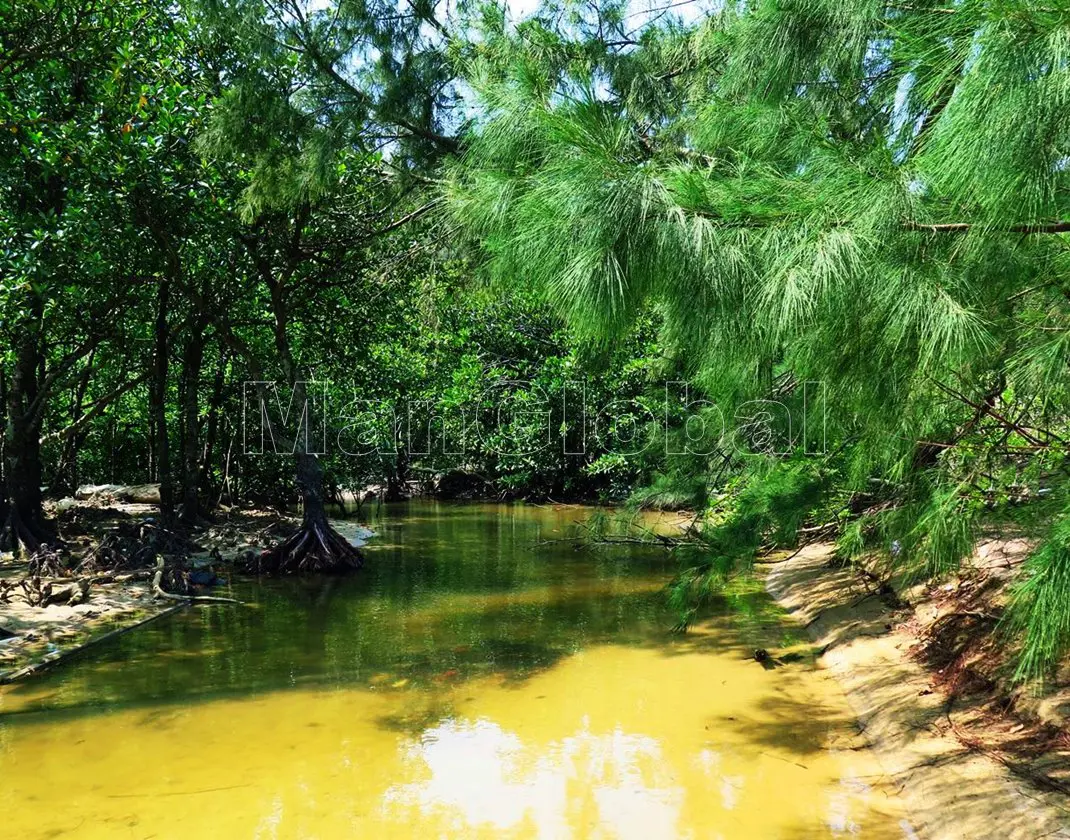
point(446, 587)
point(487, 776)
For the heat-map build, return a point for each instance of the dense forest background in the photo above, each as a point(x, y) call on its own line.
point(461, 205)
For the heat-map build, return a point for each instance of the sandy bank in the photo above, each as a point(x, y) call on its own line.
point(33, 636)
point(952, 791)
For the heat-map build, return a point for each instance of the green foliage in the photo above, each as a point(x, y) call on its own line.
point(763, 507)
point(1040, 606)
point(673, 491)
point(865, 194)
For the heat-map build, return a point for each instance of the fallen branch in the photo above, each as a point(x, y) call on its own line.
point(817, 529)
point(655, 541)
point(160, 592)
point(106, 577)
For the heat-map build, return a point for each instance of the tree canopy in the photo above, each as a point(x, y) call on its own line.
point(870, 195)
point(855, 210)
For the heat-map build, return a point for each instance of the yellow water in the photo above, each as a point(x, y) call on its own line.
point(540, 698)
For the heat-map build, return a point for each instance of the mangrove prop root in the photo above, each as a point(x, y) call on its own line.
point(314, 547)
point(160, 592)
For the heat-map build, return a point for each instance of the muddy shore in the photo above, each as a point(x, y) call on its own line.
point(33, 635)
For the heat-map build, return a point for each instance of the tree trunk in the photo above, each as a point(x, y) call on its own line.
point(397, 477)
point(24, 521)
point(192, 358)
point(310, 485)
point(65, 478)
point(212, 433)
point(159, 404)
point(4, 503)
point(315, 546)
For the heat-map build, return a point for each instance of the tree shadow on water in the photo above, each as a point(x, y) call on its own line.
point(794, 728)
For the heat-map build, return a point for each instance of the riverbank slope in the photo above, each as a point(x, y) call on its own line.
point(954, 787)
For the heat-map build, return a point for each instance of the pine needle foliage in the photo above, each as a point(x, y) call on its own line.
point(1041, 617)
point(868, 194)
point(764, 507)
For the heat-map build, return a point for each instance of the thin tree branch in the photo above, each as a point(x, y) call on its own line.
point(95, 411)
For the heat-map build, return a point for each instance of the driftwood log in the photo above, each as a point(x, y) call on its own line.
point(145, 494)
point(73, 594)
point(38, 593)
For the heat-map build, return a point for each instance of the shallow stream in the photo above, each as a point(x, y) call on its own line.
point(480, 678)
